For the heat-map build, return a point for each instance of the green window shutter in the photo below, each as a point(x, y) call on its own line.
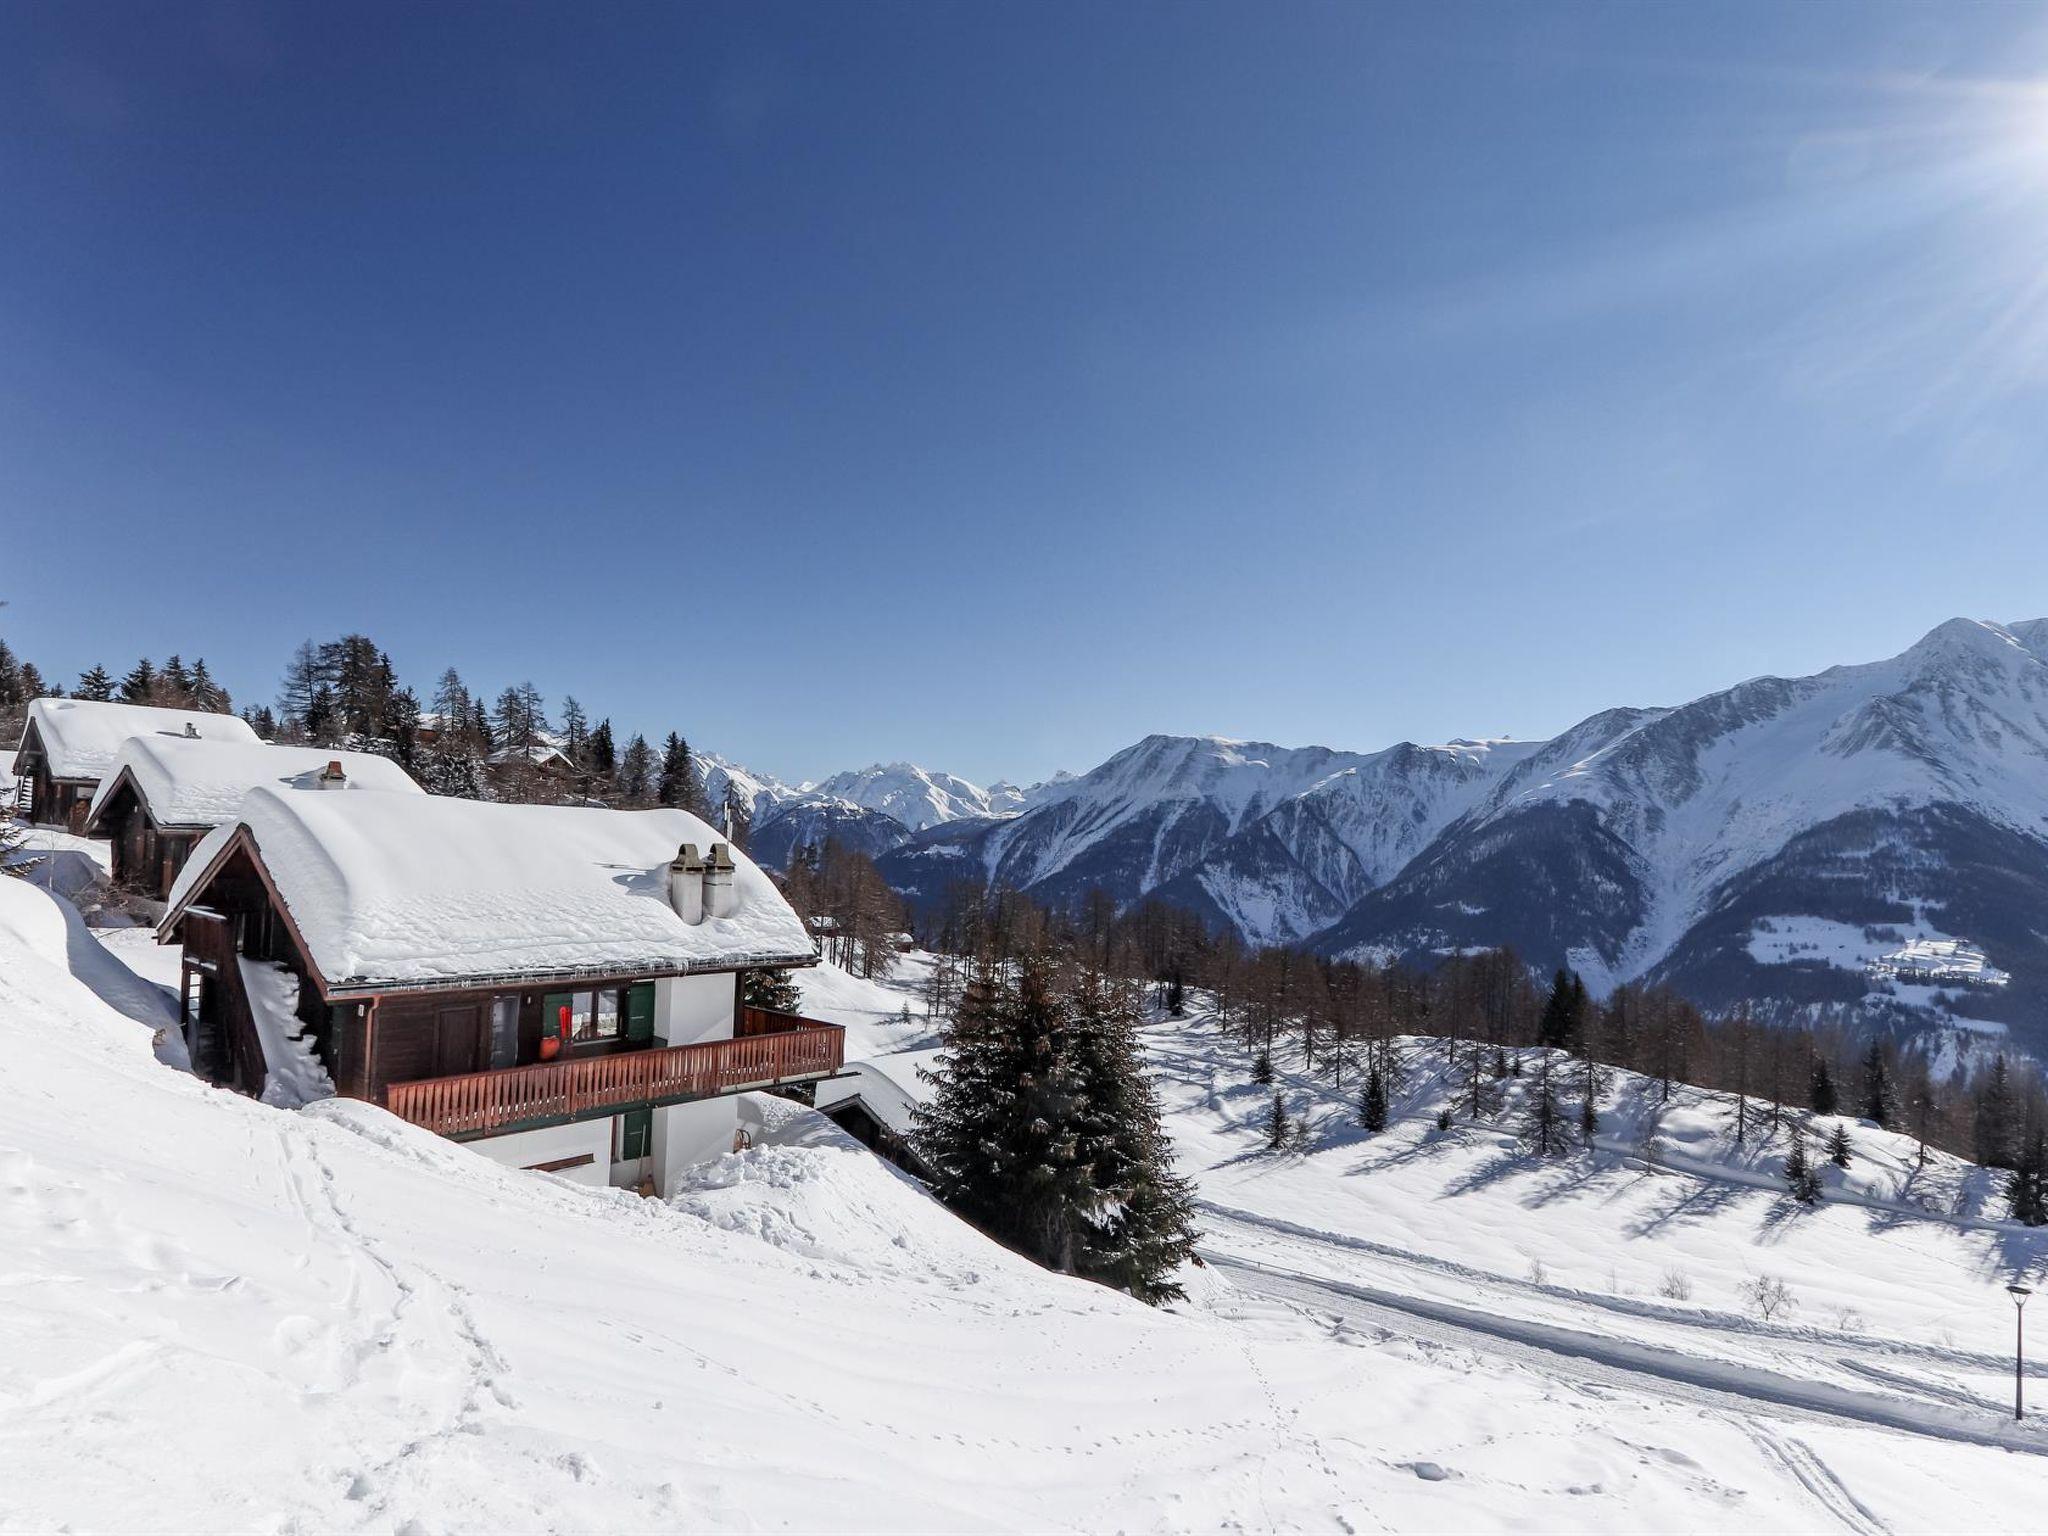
point(636, 1134)
point(551, 1008)
point(640, 1012)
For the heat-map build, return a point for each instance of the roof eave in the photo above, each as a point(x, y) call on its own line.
point(356, 988)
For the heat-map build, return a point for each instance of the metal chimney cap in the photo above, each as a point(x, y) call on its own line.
point(687, 858)
point(720, 857)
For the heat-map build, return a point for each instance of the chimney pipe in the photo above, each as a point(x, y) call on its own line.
point(332, 777)
point(720, 900)
point(686, 884)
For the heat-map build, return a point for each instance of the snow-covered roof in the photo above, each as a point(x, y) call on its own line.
point(422, 890)
point(188, 783)
point(82, 737)
point(889, 1087)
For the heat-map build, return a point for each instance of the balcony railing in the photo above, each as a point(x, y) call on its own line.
point(523, 1098)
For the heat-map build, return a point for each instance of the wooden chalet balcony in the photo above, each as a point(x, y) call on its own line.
point(772, 1049)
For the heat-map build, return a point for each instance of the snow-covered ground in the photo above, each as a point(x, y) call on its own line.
point(1654, 1244)
point(223, 1315)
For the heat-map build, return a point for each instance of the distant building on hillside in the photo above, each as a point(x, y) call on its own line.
point(165, 793)
point(560, 985)
point(874, 1101)
point(69, 745)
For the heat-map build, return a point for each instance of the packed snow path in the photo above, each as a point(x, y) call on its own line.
point(1591, 1360)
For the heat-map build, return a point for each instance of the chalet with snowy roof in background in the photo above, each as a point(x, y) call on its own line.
point(68, 748)
point(165, 793)
point(560, 985)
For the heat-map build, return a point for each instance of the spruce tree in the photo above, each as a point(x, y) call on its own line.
point(206, 693)
point(1994, 1127)
point(139, 684)
point(636, 773)
point(601, 754)
point(1820, 1087)
point(1800, 1177)
point(94, 683)
point(1276, 1125)
point(1146, 1228)
point(1838, 1145)
point(2026, 1192)
point(1372, 1104)
point(1006, 1134)
point(679, 785)
point(1262, 1068)
point(1554, 1028)
point(1879, 1105)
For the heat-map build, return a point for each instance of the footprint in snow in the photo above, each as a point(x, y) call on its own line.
point(1430, 1471)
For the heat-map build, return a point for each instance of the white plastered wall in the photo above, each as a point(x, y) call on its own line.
point(526, 1149)
point(689, 1009)
point(692, 1133)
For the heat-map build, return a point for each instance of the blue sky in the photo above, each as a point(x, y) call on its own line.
point(991, 385)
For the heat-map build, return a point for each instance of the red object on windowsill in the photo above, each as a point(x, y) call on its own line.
point(551, 1043)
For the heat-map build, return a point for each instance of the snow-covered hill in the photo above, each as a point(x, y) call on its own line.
point(225, 1316)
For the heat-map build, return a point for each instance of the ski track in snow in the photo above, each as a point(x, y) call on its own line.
point(1721, 1385)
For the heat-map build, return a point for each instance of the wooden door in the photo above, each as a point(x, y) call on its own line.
point(457, 1040)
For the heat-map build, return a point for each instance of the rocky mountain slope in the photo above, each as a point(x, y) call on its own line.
point(1777, 840)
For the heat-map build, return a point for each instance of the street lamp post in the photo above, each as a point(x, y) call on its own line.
point(2020, 1293)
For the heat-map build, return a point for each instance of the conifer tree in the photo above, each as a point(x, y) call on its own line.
point(1145, 1231)
point(1005, 1134)
point(208, 694)
point(2026, 1192)
point(776, 991)
point(94, 683)
point(139, 684)
point(174, 683)
point(679, 785)
point(636, 773)
point(1543, 1121)
point(601, 754)
point(1994, 1127)
point(1262, 1067)
point(1554, 1029)
point(1820, 1087)
point(1276, 1124)
point(1838, 1145)
point(1879, 1105)
point(1800, 1177)
point(1372, 1104)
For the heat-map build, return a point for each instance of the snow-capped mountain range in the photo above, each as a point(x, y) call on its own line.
point(1773, 841)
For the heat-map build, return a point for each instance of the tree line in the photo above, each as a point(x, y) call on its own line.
point(1341, 1018)
point(170, 684)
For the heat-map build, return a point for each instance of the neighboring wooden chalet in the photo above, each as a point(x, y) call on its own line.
point(874, 1101)
point(167, 792)
point(561, 985)
point(69, 746)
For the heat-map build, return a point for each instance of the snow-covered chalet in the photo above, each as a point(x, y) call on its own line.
point(164, 793)
point(560, 985)
point(68, 747)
